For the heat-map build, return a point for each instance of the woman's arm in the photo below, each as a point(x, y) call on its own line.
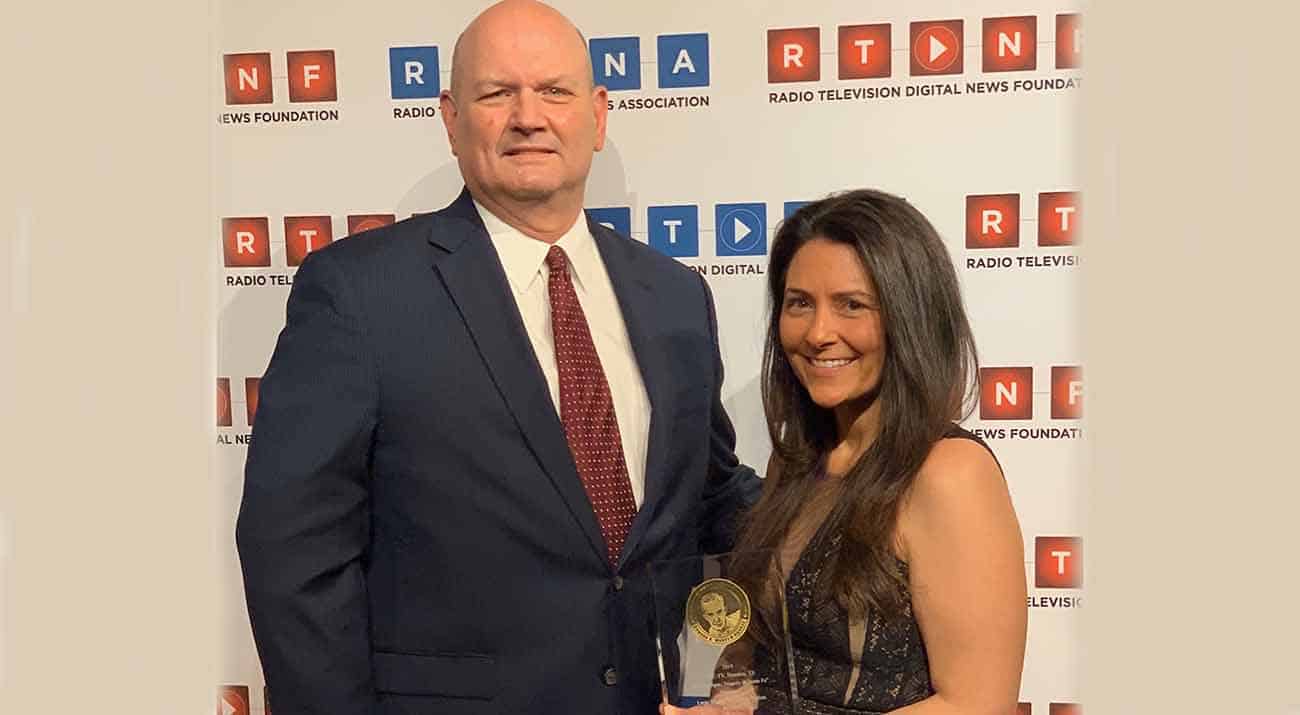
point(959, 534)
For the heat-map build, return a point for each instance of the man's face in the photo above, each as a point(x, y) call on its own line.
point(524, 119)
point(715, 611)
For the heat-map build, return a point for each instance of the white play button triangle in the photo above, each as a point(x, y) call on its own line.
point(937, 48)
point(227, 708)
point(739, 230)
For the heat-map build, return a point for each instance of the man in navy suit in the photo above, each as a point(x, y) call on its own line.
point(480, 425)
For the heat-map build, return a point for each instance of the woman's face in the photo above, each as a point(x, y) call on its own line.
point(830, 324)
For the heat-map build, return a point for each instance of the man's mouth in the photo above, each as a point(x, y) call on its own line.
point(527, 150)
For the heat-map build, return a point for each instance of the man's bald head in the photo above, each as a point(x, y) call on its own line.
point(523, 116)
point(511, 16)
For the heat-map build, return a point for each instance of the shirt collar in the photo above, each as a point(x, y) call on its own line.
point(524, 257)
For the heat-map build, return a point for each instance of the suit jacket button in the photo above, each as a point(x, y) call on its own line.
point(609, 676)
point(618, 583)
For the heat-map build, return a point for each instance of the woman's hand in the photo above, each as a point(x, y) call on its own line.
point(705, 709)
point(724, 701)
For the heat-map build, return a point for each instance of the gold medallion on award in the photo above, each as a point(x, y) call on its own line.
point(718, 611)
point(721, 634)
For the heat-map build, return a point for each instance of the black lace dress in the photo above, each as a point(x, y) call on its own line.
point(887, 671)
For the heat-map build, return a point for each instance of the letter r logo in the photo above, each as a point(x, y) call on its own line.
point(794, 55)
point(993, 221)
point(414, 72)
point(246, 242)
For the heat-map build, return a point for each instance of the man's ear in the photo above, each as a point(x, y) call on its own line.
point(600, 99)
point(447, 108)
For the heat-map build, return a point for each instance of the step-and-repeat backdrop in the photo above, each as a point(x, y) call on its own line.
point(724, 117)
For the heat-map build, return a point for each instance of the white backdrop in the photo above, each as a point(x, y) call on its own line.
point(944, 148)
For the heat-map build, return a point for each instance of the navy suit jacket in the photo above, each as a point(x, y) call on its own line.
point(413, 534)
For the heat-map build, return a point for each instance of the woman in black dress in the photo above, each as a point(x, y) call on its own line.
point(901, 555)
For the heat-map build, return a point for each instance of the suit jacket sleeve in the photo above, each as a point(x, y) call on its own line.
point(731, 487)
point(303, 526)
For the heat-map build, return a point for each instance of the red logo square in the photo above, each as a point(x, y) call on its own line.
point(246, 242)
point(304, 234)
point(1069, 41)
point(233, 700)
point(312, 77)
point(1058, 218)
point(1058, 563)
point(1024, 709)
point(936, 47)
point(365, 222)
point(248, 78)
point(1006, 393)
point(223, 402)
point(993, 221)
point(252, 386)
point(794, 54)
point(1010, 43)
point(1067, 392)
point(865, 51)
point(1064, 709)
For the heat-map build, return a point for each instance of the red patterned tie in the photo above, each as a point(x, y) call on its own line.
point(587, 411)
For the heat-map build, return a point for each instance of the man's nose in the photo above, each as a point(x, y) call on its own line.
point(527, 116)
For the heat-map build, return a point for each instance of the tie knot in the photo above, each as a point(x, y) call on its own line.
point(556, 261)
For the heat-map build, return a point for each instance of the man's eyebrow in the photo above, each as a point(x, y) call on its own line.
point(490, 82)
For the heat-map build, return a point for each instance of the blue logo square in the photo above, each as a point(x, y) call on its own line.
point(740, 229)
point(618, 218)
point(792, 206)
point(413, 72)
point(674, 230)
point(683, 60)
point(616, 62)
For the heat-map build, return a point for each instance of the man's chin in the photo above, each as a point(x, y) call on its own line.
point(532, 192)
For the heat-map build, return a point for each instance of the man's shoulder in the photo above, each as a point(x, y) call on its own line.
point(653, 265)
point(401, 241)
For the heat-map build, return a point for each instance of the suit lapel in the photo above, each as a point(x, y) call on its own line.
point(472, 273)
point(636, 300)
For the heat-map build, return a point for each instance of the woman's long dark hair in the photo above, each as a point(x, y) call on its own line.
point(929, 375)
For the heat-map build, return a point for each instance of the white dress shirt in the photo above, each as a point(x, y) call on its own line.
point(524, 261)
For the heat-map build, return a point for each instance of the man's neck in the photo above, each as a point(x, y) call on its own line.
point(544, 221)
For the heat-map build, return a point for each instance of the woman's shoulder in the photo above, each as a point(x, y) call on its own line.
point(960, 473)
point(958, 457)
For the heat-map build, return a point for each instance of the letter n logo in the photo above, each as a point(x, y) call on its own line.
point(248, 78)
point(1006, 393)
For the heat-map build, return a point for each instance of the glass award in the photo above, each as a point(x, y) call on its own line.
point(722, 633)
